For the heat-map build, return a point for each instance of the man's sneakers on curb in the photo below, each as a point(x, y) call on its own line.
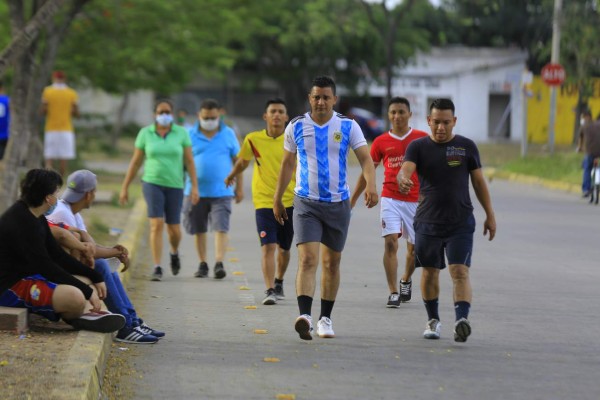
point(304, 327)
point(175, 264)
point(102, 321)
point(271, 298)
point(202, 270)
point(405, 291)
point(393, 300)
point(462, 330)
point(279, 291)
point(432, 329)
point(157, 274)
point(134, 335)
point(149, 331)
point(325, 328)
point(220, 270)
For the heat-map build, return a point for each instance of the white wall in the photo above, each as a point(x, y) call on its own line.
point(139, 109)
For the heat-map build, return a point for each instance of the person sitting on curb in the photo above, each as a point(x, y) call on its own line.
point(79, 195)
point(69, 239)
point(36, 273)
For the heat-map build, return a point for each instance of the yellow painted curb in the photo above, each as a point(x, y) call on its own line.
point(493, 173)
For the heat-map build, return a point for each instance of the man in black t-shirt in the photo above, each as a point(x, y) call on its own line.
point(444, 222)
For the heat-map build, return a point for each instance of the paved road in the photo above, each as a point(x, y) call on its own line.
point(534, 319)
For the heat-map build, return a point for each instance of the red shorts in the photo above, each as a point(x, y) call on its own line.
point(33, 292)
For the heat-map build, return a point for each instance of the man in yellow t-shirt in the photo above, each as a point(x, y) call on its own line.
point(59, 105)
point(266, 147)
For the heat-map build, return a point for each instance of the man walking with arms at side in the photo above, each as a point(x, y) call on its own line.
point(444, 222)
point(589, 140)
point(59, 104)
point(397, 209)
point(320, 141)
point(266, 146)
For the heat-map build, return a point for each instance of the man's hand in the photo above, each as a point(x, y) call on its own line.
point(230, 180)
point(95, 302)
point(371, 198)
point(194, 196)
point(404, 184)
point(489, 225)
point(239, 195)
point(279, 212)
point(101, 289)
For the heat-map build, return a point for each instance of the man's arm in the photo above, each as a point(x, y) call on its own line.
point(132, 170)
point(288, 163)
point(239, 184)
point(404, 181)
point(190, 166)
point(361, 184)
point(239, 167)
point(368, 173)
point(483, 195)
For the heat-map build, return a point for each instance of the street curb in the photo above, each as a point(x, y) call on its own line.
point(81, 377)
point(493, 173)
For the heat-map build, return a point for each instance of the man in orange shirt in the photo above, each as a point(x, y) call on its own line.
point(59, 105)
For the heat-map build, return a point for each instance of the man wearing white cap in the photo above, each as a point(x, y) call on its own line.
point(79, 195)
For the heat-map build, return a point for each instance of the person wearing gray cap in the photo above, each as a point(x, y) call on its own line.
point(80, 194)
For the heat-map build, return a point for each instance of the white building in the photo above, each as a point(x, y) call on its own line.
point(483, 83)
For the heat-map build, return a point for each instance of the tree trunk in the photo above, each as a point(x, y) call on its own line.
point(118, 125)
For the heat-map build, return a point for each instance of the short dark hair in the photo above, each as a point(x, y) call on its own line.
point(163, 100)
point(442, 104)
point(586, 113)
point(399, 100)
point(210, 104)
point(323, 82)
point(275, 100)
point(39, 183)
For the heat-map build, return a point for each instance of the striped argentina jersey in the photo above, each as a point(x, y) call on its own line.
point(322, 154)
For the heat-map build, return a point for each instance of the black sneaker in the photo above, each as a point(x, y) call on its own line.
point(202, 270)
point(175, 264)
point(148, 330)
point(393, 301)
point(405, 291)
point(220, 270)
point(134, 335)
point(279, 291)
point(102, 321)
point(157, 274)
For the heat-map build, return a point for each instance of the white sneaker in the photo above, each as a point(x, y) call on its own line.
point(325, 328)
point(432, 329)
point(304, 326)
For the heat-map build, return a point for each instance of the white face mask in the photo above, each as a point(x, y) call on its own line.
point(164, 119)
point(582, 121)
point(209, 124)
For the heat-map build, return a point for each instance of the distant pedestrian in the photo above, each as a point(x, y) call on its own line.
point(165, 149)
point(4, 120)
point(397, 209)
point(59, 105)
point(319, 141)
point(588, 141)
point(215, 148)
point(266, 147)
point(444, 222)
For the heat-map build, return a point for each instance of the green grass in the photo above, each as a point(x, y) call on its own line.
point(563, 165)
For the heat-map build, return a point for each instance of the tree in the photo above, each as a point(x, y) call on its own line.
point(37, 29)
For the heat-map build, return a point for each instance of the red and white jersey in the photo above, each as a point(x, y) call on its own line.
point(388, 149)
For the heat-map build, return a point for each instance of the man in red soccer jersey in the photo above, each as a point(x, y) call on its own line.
point(397, 209)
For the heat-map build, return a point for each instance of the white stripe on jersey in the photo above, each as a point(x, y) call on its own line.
point(322, 154)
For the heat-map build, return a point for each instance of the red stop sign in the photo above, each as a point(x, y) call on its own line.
point(553, 74)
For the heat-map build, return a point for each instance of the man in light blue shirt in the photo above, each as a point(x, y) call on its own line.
point(214, 147)
point(4, 119)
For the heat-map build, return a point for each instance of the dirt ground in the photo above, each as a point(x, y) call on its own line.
point(29, 363)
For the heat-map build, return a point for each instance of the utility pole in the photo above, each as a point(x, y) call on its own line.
point(554, 59)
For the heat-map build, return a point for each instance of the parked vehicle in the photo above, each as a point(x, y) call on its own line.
point(371, 125)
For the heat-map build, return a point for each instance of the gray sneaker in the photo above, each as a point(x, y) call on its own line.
point(432, 329)
point(270, 299)
point(393, 301)
point(462, 330)
point(157, 274)
point(279, 292)
point(202, 270)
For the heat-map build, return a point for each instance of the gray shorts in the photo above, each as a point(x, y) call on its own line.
point(213, 210)
point(319, 221)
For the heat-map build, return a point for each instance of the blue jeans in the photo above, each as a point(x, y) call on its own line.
point(116, 299)
point(588, 163)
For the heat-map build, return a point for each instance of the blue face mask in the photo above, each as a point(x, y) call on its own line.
point(51, 209)
point(164, 119)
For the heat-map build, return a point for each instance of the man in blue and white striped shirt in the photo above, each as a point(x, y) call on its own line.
point(317, 145)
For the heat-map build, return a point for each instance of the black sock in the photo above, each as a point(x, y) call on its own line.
point(278, 281)
point(432, 309)
point(326, 308)
point(305, 304)
point(461, 309)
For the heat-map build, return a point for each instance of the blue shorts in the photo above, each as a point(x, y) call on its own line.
point(163, 202)
point(433, 241)
point(33, 292)
point(270, 231)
